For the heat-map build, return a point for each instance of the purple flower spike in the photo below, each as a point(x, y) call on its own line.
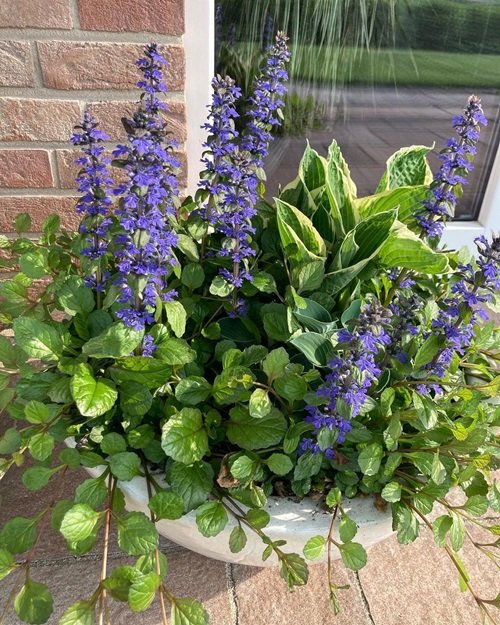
point(455, 166)
point(145, 244)
point(95, 184)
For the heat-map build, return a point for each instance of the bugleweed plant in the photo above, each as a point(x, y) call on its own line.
point(230, 350)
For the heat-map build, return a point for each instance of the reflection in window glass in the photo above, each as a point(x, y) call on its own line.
point(373, 74)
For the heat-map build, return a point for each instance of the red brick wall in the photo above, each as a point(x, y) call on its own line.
point(57, 58)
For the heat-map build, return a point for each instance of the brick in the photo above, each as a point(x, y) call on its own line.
point(24, 119)
point(95, 65)
point(35, 14)
point(109, 115)
point(155, 16)
point(24, 169)
point(16, 64)
point(39, 207)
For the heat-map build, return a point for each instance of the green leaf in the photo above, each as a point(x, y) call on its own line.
point(192, 390)
point(317, 348)
point(39, 340)
point(341, 190)
point(125, 465)
point(438, 471)
point(93, 397)
point(167, 505)
point(188, 247)
point(279, 464)
point(36, 478)
point(147, 563)
point(193, 483)
point(143, 591)
point(308, 465)
point(137, 535)
point(92, 492)
point(74, 297)
point(80, 613)
point(184, 437)
point(427, 351)
point(299, 238)
point(237, 539)
point(370, 458)
point(220, 287)
point(176, 317)
point(249, 433)
point(113, 443)
point(116, 341)
point(392, 492)
point(149, 372)
point(407, 167)
point(406, 199)
point(245, 466)
point(22, 223)
point(187, 612)
point(259, 404)
point(457, 532)
point(80, 522)
point(60, 391)
point(353, 556)
point(440, 528)
point(211, 518)
point(293, 569)
point(18, 534)
point(258, 518)
point(41, 446)
point(477, 505)
point(275, 362)
point(33, 604)
point(175, 352)
point(291, 387)
point(347, 529)
point(37, 412)
point(405, 249)
point(8, 354)
point(34, 263)
point(193, 276)
point(314, 547)
point(7, 563)
point(119, 582)
point(10, 441)
point(135, 399)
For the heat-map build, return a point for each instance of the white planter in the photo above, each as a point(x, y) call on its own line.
point(290, 521)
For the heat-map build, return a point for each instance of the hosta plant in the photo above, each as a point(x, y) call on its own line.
point(230, 349)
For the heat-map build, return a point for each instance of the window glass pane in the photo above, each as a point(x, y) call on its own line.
point(375, 75)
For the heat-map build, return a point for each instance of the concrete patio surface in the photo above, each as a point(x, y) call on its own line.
point(401, 585)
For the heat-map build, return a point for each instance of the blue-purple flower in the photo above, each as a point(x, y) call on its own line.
point(455, 166)
point(148, 199)
point(345, 389)
point(95, 184)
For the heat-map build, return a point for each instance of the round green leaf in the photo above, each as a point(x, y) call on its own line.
point(193, 483)
point(137, 535)
point(92, 492)
point(34, 603)
point(184, 437)
point(36, 478)
point(259, 404)
point(211, 518)
point(167, 505)
point(116, 341)
point(187, 612)
point(113, 443)
point(38, 339)
point(80, 613)
point(370, 458)
point(353, 556)
point(125, 465)
point(93, 397)
point(237, 539)
point(7, 563)
point(18, 534)
point(314, 547)
point(80, 522)
point(193, 275)
point(249, 433)
point(347, 529)
point(279, 464)
point(258, 518)
point(143, 590)
point(192, 390)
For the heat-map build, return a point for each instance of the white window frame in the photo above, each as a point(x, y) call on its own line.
point(199, 46)
point(460, 233)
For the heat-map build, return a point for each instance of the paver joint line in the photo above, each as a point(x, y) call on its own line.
point(363, 597)
point(231, 591)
